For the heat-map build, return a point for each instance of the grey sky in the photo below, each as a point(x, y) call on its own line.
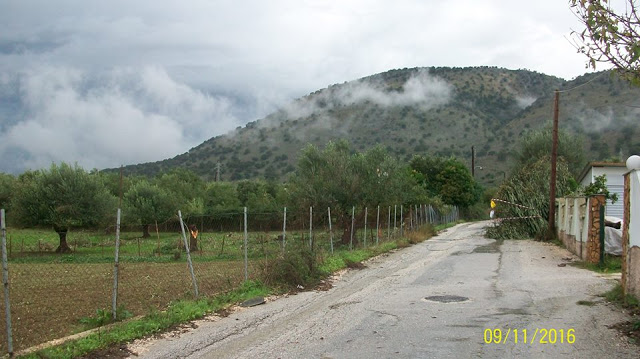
point(105, 83)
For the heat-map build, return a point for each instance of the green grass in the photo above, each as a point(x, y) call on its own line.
point(612, 264)
point(104, 317)
point(155, 322)
point(617, 296)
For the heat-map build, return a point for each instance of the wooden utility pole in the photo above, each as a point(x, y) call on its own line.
point(554, 158)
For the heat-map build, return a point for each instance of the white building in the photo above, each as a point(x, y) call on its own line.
point(615, 182)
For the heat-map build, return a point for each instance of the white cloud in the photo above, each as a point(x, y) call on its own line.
point(131, 64)
point(122, 116)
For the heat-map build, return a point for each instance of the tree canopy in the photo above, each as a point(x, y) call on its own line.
point(611, 34)
point(537, 144)
point(447, 178)
point(63, 197)
point(146, 203)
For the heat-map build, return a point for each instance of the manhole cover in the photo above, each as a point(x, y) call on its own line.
point(446, 298)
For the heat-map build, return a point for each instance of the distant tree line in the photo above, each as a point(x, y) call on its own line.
point(67, 196)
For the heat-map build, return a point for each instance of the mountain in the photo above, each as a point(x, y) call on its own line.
point(438, 110)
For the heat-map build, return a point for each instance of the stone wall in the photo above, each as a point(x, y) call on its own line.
point(593, 240)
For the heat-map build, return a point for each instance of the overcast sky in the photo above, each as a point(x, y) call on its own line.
point(105, 83)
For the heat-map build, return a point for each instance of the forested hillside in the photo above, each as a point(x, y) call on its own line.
point(439, 111)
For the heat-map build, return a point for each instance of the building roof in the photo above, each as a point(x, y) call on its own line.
point(590, 165)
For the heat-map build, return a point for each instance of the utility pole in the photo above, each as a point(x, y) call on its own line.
point(473, 162)
point(218, 172)
point(554, 158)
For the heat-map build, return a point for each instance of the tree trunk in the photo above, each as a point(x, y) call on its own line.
point(346, 224)
point(145, 231)
point(193, 244)
point(63, 247)
point(193, 238)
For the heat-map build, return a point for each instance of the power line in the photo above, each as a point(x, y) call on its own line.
point(584, 84)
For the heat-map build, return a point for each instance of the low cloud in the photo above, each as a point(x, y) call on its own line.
point(121, 116)
point(525, 101)
point(421, 90)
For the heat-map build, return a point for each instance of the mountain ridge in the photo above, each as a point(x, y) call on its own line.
point(427, 110)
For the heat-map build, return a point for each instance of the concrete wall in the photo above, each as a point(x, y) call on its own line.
point(631, 235)
point(578, 225)
point(571, 224)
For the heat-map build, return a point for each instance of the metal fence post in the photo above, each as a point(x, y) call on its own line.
point(410, 219)
point(353, 214)
point(401, 223)
point(311, 228)
point(186, 247)
point(284, 228)
point(246, 239)
point(330, 230)
point(389, 225)
point(116, 268)
point(395, 215)
point(366, 215)
point(378, 227)
point(5, 283)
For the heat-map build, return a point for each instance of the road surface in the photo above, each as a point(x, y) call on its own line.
point(382, 311)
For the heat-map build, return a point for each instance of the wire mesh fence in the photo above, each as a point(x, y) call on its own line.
point(52, 295)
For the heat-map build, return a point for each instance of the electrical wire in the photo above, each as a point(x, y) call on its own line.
point(584, 84)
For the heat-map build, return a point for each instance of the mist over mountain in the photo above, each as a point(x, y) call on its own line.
point(438, 111)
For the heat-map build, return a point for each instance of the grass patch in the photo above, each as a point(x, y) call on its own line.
point(104, 317)
point(612, 264)
point(617, 296)
point(155, 322)
point(632, 304)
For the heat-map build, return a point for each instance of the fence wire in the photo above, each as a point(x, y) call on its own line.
point(53, 295)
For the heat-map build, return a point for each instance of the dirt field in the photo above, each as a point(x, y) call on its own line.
point(49, 299)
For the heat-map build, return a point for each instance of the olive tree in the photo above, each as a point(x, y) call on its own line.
point(7, 188)
point(446, 178)
point(63, 197)
point(537, 144)
point(611, 34)
point(338, 178)
point(146, 203)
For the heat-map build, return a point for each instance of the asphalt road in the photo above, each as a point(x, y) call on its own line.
point(382, 312)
